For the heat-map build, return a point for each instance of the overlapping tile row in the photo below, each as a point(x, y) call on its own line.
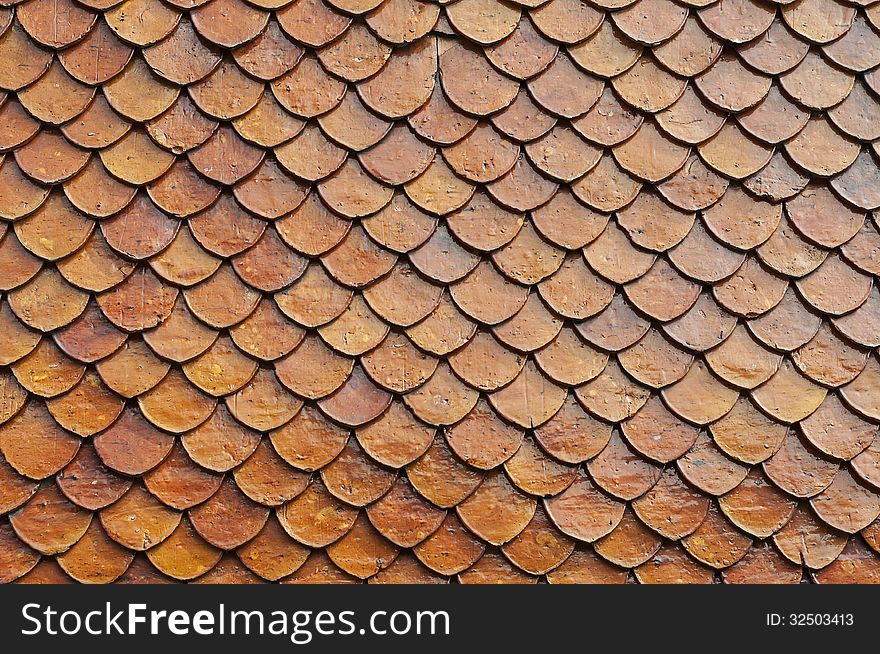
point(404, 291)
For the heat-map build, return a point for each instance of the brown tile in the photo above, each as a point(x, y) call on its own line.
point(267, 479)
point(655, 361)
point(309, 441)
point(229, 518)
point(87, 408)
point(798, 469)
point(56, 26)
point(396, 438)
point(184, 555)
point(583, 511)
point(585, 567)
point(16, 559)
point(703, 326)
point(356, 55)
point(540, 547)
point(672, 565)
point(846, 504)
point(17, 489)
point(357, 401)
point(49, 523)
point(165, 56)
point(319, 569)
point(363, 551)
point(47, 371)
point(851, 287)
point(806, 204)
point(56, 97)
point(612, 395)
point(778, 180)
point(671, 507)
point(667, 156)
point(220, 443)
point(763, 565)
point(95, 192)
point(355, 478)
point(856, 564)
point(19, 340)
point(693, 186)
point(258, 57)
point(777, 50)
point(440, 477)
point(857, 184)
point(861, 393)
point(228, 570)
point(689, 51)
point(849, 114)
point(630, 543)
point(734, 153)
point(662, 293)
point(853, 50)
point(19, 126)
point(788, 325)
point(306, 519)
point(142, 33)
point(403, 517)
point(46, 571)
point(34, 444)
point(49, 158)
point(606, 187)
point(838, 150)
point(622, 472)
point(641, 431)
point(273, 554)
point(534, 472)
point(757, 506)
point(95, 558)
point(17, 46)
point(830, 360)
point(857, 326)
point(444, 329)
point(819, 21)
point(572, 435)
point(267, 123)
point(496, 511)
point(716, 542)
point(493, 568)
point(732, 86)
point(179, 482)
point(450, 549)
point(402, 21)
point(741, 22)
point(531, 328)
point(691, 119)
point(47, 301)
point(312, 22)
point(262, 403)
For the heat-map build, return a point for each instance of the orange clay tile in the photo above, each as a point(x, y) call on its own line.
point(672, 565)
point(488, 265)
point(822, 218)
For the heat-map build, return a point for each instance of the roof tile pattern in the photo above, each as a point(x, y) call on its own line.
point(408, 291)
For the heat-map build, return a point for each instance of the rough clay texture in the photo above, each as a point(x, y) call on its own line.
point(404, 291)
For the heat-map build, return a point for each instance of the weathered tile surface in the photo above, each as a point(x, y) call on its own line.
point(409, 291)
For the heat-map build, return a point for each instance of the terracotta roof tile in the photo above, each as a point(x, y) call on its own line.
point(391, 173)
point(622, 472)
point(763, 565)
point(808, 541)
point(584, 566)
point(672, 565)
